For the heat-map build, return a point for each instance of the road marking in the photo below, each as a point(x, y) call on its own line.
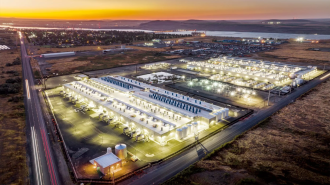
point(27, 88)
point(325, 76)
point(49, 162)
point(36, 156)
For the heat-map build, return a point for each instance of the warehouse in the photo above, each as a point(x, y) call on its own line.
point(144, 110)
point(62, 54)
point(251, 73)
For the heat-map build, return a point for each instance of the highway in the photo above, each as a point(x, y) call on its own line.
point(43, 169)
point(164, 172)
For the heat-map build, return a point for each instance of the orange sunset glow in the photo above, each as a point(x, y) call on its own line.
point(159, 9)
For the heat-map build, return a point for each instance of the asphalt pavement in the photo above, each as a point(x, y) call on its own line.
point(165, 172)
point(43, 169)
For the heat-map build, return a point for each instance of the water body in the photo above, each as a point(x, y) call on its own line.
point(259, 34)
point(208, 33)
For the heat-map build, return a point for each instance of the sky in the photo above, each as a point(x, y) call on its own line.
point(165, 9)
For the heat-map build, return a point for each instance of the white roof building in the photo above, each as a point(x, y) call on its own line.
point(108, 161)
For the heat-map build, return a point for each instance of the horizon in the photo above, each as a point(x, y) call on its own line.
point(164, 19)
point(164, 10)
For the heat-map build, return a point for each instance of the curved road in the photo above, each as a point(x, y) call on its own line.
point(168, 170)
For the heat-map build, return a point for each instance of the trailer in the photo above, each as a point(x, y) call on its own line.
point(62, 54)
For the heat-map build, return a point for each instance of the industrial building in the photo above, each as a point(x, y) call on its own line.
point(61, 54)
point(110, 162)
point(146, 112)
point(249, 72)
point(156, 65)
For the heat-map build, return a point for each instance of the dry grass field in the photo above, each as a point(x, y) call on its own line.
point(159, 49)
point(13, 169)
point(7, 39)
point(42, 50)
point(291, 147)
point(88, 63)
point(298, 52)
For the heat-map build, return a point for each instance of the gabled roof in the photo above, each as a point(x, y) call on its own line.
point(106, 160)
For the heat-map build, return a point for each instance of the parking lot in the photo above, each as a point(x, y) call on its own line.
point(86, 130)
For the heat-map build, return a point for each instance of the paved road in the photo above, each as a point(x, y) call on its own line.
point(170, 169)
point(43, 170)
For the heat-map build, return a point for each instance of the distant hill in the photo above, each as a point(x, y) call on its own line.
point(196, 21)
point(298, 26)
point(290, 21)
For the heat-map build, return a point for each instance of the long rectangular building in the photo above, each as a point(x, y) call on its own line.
point(144, 109)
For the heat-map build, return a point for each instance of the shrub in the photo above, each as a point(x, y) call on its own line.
point(17, 61)
point(11, 72)
point(15, 80)
point(9, 88)
point(15, 99)
point(247, 181)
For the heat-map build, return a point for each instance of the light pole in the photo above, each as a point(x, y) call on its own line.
point(268, 98)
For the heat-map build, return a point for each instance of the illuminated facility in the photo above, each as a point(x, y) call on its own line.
point(249, 72)
point(147, 111)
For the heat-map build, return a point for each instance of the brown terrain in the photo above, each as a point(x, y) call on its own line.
point(299, 53)
point(291, 147)
point(87, 63)
point(13, 169)
point(42, 50)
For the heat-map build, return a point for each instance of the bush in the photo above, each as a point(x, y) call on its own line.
point(15, 99)
point(17, 61)
point(37, 74)
point(16, 80)
point(247, 181)
point(9, 88)
point(11, 72)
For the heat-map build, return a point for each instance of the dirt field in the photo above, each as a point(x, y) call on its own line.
point(13, 169)
point(87, 63)
point(292, 147)
point(159, 49)
point(99, 48)
point(7, 39)
point(42, 50)
point(298, 52)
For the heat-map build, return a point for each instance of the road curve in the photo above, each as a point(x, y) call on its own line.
point(165, 172)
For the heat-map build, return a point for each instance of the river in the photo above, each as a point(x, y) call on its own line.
point(212, 33)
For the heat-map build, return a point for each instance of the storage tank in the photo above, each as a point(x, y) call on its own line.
point(189, 129)
point(195, 125)
point(226, 112)
point(109, 150)
point(121, 151)
point(184, 132)
point(179, 133)
point(221, 114)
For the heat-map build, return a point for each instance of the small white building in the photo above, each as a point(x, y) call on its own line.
point(107, 162)
point(81, 77)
